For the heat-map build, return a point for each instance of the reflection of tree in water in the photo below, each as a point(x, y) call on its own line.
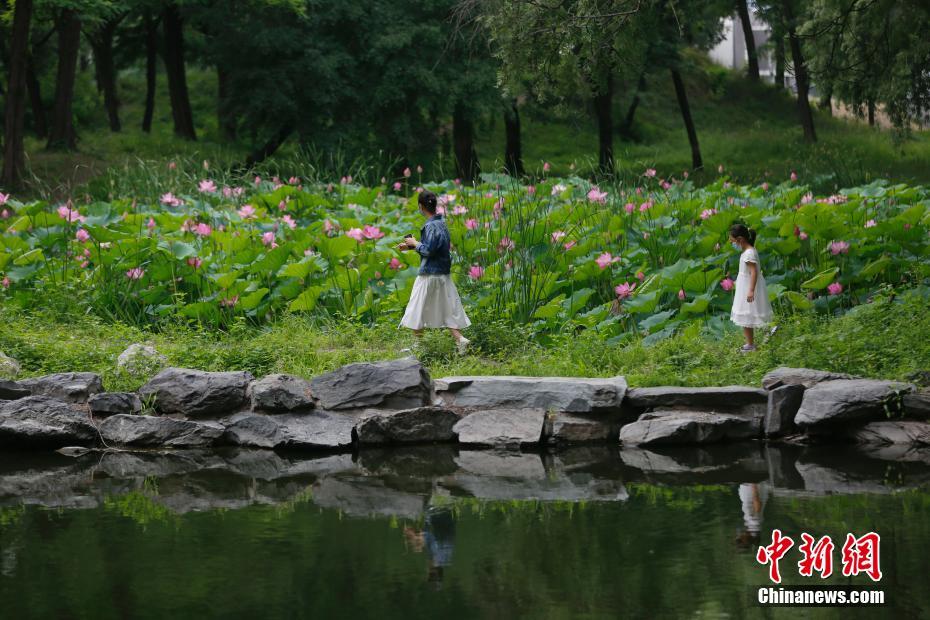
point(437, 538)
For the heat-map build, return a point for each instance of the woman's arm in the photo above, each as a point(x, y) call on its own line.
point(753, 276)
point(429, 243)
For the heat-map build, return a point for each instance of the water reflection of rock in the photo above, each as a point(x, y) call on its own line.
point(400, 482)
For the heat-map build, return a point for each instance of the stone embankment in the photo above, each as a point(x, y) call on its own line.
point(395, 402)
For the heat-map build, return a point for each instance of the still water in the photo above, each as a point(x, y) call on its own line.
point(443, 533)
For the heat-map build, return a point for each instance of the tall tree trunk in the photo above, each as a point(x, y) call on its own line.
point(268, 149)
point(62, 134)
point(780, 61)
point(626, 127)
point(696, 161)
point(14, 157)
point(463, 143)
point(102, 43)
point(800, 75)
point(752, 68)
point(39, 122)
point(826, 101)
point(177, 76)
point(513, 151)
point(151, 70)
point(871, 108)
point(603, 109)
point(224, 116)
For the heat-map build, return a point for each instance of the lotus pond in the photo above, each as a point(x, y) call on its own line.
point(620, 259)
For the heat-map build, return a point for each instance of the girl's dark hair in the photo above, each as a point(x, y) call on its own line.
point(427, 200)
point(740, 230)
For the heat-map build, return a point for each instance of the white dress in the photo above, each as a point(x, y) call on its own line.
point(759, 312)
point(434, 302)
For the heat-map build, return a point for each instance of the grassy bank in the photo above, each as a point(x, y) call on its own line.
point(879, 339)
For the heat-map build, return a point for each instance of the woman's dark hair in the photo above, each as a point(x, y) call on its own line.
point(740, 230)
point(427, 200)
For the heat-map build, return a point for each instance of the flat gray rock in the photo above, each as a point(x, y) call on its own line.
point(281, 393)
point(197, 393)
point(44, 422)
point(154, 431)
point(11, 390)
point(783, 405)
point(917, 405)
point(253, 430)
point(501, 427)
point(727, 396)
point(72, 387)
point(568, 428)
point(320, 430)
point(905, 432)
point(845, 400)
point(568, 394)
point(106, 404)
point(418, 425)
point(394, 384)
point(807, 377)
point(688, 427)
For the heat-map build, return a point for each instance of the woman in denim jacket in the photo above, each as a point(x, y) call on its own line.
point(434, 302)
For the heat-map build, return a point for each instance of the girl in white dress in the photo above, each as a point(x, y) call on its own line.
point(751, 307)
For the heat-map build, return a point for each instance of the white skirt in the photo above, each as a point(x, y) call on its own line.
point(755, 314)
point(434, 302)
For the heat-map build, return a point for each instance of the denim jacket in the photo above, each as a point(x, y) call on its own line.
point(434, 247)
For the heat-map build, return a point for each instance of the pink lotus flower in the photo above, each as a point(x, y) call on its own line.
point(727, 284)
point(558, 236)
point(4, 198)
point(5, 214)
point(807, 198)
point(372, 232)
point(707, 213)
point(624, 290)
point(293, 181)
point(558, 188)
point(597, 196)
point(207, 186)
point(82, 235)
point(794, 176)
point(282, 206)
point(476, 272)
point(471, 223)
point(69, 214)
point(605, 259)
point(5, 282)
point(459, 210)
point(650, 172)
point(135, 273)
point(765, 187)
point(407, 172)
point(665, 185)
point(356, 233)
point(257, 180)
point(640, 276)
point(681, 294)
point(568, 246)
point(835, 288)
point(203, 230)
point(645, 206)
point(268, 239)
point(871, 224)
point(397, 186)
point(446, 199)
point(907, 226)
point(172, 165)
point(531, 190)
point(720, 169)
point(839, 247)
point(645, 235)
point(546, 167)
point(194, 262)
point(327, 226)
point(170, 200)
point(247, 212)
point(229, 302)
point(506, 243)
point(289, 222)
point(345, 180)
point(150, 224)
point(395, 264)
point(685, 174)
point(629, 207)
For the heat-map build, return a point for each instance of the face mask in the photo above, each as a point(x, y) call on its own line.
point(736, 246)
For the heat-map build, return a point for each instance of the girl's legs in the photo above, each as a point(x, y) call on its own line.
point(748, 334)
point(456, 334)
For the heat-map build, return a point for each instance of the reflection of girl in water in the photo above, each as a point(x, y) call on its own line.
point(438, 538)
point(753, 497)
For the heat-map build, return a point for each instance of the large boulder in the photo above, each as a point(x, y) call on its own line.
point(783, 405)
point(197, 393)
point(846, 400)
point(909, 432)
point(567, 394)
point(281, 393)
point(419, 425)
point(154, 431)
point(917, 405)
point(9, 367)
point(721, 397)
point(44, 422)
point(395, 384)
point(72, 387)
point(11, 390)
point(106, 404)
point(252, 430)
point(807, 377)
point(502, 428)
point(320, 430)
point(141, 360)
point(569, 428)
point(688, 427)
